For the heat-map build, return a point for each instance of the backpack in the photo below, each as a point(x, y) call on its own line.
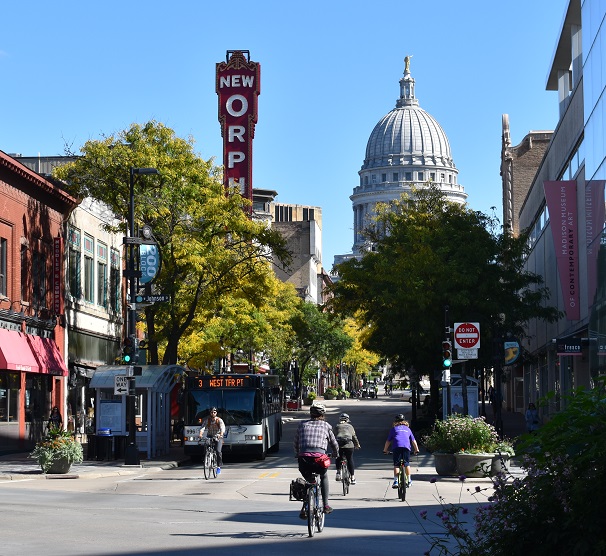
point(297, 489)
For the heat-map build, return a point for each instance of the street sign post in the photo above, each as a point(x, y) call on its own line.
point(120, 385)
point(467, 335)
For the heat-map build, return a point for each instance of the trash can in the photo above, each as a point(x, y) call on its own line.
point(104, 445)
point(91, 447)
point(119, 446)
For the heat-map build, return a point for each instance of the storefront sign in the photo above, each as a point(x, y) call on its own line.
point(568, 346)
point(238, 86)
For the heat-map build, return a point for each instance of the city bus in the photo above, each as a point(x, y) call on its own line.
point(249, 404)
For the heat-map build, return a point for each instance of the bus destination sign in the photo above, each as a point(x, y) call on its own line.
point(221, 381)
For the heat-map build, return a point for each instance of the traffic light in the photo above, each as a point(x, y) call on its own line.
point(446, 354)
point(130, 351)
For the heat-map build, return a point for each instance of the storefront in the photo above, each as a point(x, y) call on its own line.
point(32, 381)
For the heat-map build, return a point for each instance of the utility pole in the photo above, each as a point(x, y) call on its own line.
point(131, 454)
point(446, 361)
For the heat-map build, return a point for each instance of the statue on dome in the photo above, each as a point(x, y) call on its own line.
point(407, 64)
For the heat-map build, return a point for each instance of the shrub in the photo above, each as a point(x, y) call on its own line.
point(461, 433)
point(57, 444)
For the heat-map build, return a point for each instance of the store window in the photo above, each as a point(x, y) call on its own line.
point(39, 279)
point(9, 397)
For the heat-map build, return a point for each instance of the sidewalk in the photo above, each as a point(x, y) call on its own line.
point(18, 466)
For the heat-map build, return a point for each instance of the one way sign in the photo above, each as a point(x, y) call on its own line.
point(120, 385)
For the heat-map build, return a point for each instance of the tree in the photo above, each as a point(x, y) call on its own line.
point(358, 360)
point(318, 337)
point(210, 249)
point(429, 253)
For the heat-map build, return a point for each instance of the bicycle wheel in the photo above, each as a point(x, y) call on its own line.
point(207, 463)
point(320, 515)
point(402, 485)
point(311, 511)
point(213, 466)
point(345, 479)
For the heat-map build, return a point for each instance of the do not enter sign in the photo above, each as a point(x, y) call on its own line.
point(467, 335)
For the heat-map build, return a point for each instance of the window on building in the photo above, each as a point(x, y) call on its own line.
point(408, 176)
point(365, 180)
point(9, 397)
point(395, 176)
point(373, 178)
point(432, 176)
point(442, 177)
point(38, 271)
point(102, 274)
point(383, 178)
point(114, 281)
point(89, 268)
point(449, 178)
point(3, 257)
point(75, 288)
point(421, 176)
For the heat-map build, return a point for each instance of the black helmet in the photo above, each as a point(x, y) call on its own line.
point(212, 409)
point(317, 409)
point(400, 417)
point(344, 417)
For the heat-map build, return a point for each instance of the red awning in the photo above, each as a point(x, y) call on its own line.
point(48, 355)
point(15, 352)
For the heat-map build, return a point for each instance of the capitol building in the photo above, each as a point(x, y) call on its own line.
point(407, 148)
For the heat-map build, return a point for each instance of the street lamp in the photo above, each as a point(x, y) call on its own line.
point(131, 454)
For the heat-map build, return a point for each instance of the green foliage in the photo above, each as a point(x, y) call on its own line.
point(211, 249)
point(429, 253)
point(330, 393)
point(311, 396)
point(462, 433)
point(558, 506)
point(55, 445)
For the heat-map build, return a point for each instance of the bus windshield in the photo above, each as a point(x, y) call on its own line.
point(235, 407)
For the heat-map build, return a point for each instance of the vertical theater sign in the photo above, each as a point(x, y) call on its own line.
point(238, 86)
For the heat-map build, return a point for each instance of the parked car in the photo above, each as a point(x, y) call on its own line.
point(424, 394)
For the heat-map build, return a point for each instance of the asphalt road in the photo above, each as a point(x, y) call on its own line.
point(246, 509)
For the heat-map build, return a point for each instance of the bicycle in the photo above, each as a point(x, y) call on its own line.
point(401, 478)
point(313, 509)
point(313, 506)
point(345, 477)
point(210, 457)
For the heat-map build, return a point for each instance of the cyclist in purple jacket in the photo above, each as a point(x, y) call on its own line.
point(403, 443)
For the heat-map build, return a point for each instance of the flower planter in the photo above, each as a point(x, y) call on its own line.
point(60, 466)
point(446, 464)
point(474, 466)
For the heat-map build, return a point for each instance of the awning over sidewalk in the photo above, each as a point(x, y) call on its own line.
point(47, 353)
point(15, 352)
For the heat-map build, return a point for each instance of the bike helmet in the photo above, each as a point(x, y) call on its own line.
point(344, 417)
point(317, 409)
point(400, 417)
point(212, 409)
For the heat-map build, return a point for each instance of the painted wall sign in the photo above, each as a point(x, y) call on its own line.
point(238, 84)
point(561, 198)
point(58, 275)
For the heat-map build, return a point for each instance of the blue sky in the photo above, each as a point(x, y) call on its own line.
point(73, 71)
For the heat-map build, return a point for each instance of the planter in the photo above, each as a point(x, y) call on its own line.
point(499, 464)
point(446, 464)
point(60, 466)
point(474, 466)
point(308, 401)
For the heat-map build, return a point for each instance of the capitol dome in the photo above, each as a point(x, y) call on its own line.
point(406, 148)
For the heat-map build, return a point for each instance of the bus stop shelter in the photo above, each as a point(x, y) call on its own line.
point(152, 401)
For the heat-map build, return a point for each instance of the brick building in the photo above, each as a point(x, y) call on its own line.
point(32, 325)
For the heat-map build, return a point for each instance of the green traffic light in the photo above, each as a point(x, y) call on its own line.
point(126, 358)
point(447, 362)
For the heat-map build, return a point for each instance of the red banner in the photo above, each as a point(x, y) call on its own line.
point(561, 198)
point(238, 84)
point(57, 276)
